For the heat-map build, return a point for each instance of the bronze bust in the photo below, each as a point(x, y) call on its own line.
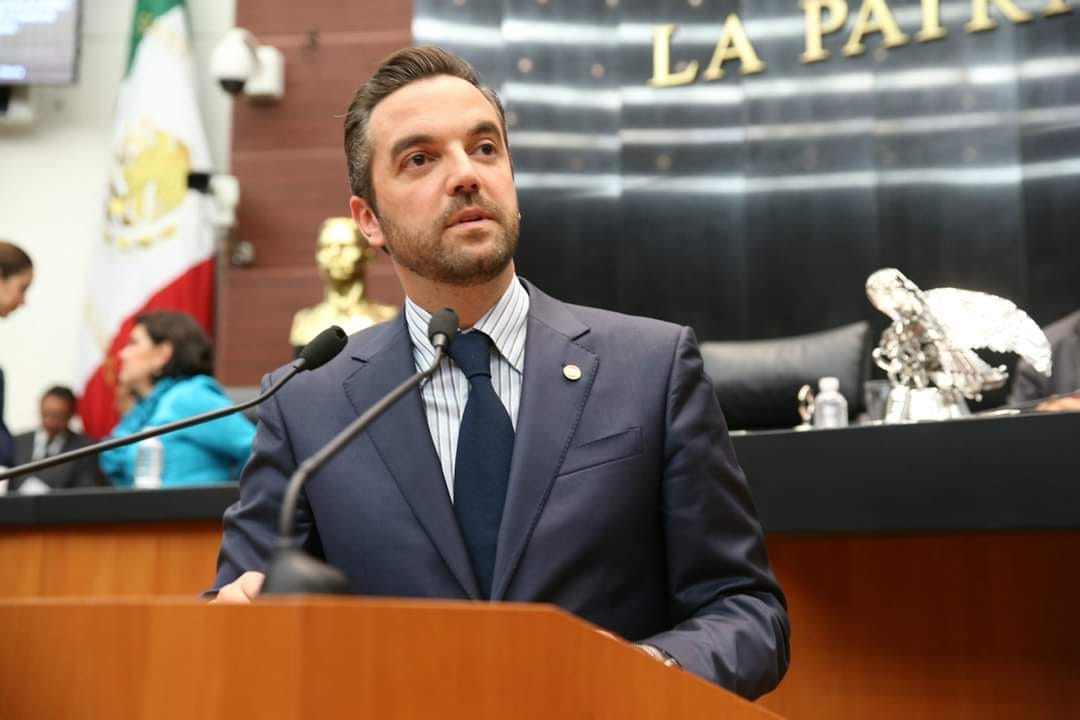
point(343, 256)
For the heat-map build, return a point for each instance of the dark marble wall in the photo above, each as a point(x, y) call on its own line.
point(755, 206)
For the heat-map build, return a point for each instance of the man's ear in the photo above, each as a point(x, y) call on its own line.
point(364, 217)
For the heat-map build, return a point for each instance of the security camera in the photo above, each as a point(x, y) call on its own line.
point(234, 62)
point(241, 65)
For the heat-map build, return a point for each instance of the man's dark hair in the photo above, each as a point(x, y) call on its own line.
point(13, 260)
point(400, 69)
point(63, 392)
point(192, 352)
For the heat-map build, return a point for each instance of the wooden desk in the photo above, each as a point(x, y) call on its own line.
point(930, 570)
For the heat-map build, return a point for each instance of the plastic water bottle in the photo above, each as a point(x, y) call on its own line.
point(149, 463)
point(830, 407)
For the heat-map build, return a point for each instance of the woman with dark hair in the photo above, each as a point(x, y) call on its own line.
point(167, 365)
point(16, 274)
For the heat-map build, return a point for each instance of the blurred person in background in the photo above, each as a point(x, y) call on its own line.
point(1062, 388)
point(167, 366)
point(16, 274)
point(53, 437)
point(123, 400)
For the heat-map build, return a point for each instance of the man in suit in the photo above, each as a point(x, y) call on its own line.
point(606, 483)
point(1029, 385)
point(55, 436)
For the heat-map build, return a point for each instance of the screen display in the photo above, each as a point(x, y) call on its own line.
point(39, 41)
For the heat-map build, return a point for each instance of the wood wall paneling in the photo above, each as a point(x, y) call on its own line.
point(285, 200)
point(285, 197)
point(319, 84)
point(290, 163)
point(257, 311)
point(264, 17)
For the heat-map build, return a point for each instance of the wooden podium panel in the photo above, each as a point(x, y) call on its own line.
point(977, 625)
point(164, 558)
point(930, 569)
point(968, 625)
point(314, 657)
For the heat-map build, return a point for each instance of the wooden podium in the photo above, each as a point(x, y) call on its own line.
point(310, 657)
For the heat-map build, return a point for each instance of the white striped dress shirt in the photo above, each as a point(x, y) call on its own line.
point(446, 392)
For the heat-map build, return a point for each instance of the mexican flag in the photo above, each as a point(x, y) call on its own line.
point(156, 248)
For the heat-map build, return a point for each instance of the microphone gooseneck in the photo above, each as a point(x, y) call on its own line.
point(290, 569)
point(318, 352)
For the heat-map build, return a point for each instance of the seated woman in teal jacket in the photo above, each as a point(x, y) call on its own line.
point(167, 364)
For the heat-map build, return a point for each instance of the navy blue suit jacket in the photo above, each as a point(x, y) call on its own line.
point(626, 504)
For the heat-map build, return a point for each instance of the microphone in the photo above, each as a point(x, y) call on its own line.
point(442, 328)
point(291, 570)
point(315, 354)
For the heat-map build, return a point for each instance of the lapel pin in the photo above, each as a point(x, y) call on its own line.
point(571, 372)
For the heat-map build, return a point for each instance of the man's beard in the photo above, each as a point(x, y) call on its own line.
point(425, 254)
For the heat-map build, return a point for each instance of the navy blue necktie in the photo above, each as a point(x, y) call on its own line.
point(485, 446)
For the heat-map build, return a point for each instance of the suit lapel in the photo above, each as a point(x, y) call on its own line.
point(403, 441)
point(551, 406)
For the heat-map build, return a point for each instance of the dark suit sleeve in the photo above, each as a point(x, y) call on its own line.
point(7, 445)
point(251, 523)
point(83, 474)
point(731, 618)
point(1028, 384)
point(85, 471)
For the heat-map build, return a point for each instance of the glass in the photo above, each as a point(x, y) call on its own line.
point(876, 396)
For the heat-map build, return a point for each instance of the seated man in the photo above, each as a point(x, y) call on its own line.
point(1029, 385)
point(55, 436)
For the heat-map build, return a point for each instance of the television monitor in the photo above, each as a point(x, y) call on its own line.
point(39, 42)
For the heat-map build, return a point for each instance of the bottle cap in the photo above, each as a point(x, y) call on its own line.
point(828, 384)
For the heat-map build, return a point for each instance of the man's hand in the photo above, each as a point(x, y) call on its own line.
point(240, 591)
point(651, 650)
point(1070, 403)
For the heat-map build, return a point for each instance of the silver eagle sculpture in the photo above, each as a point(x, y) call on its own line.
point(928, 350)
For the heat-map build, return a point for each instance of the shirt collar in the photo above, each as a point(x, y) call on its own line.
point(46, 447)
point(504, 323)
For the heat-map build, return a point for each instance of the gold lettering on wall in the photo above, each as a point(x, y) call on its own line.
point(931, 22)
point(980, 15)
point(733, 45)
point(825, 17)
point(661, 61)
point(815, 28)
point(874, 17)
point(1057, 7)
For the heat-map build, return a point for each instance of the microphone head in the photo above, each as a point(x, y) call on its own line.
point(323, 348)
point(442, 328)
